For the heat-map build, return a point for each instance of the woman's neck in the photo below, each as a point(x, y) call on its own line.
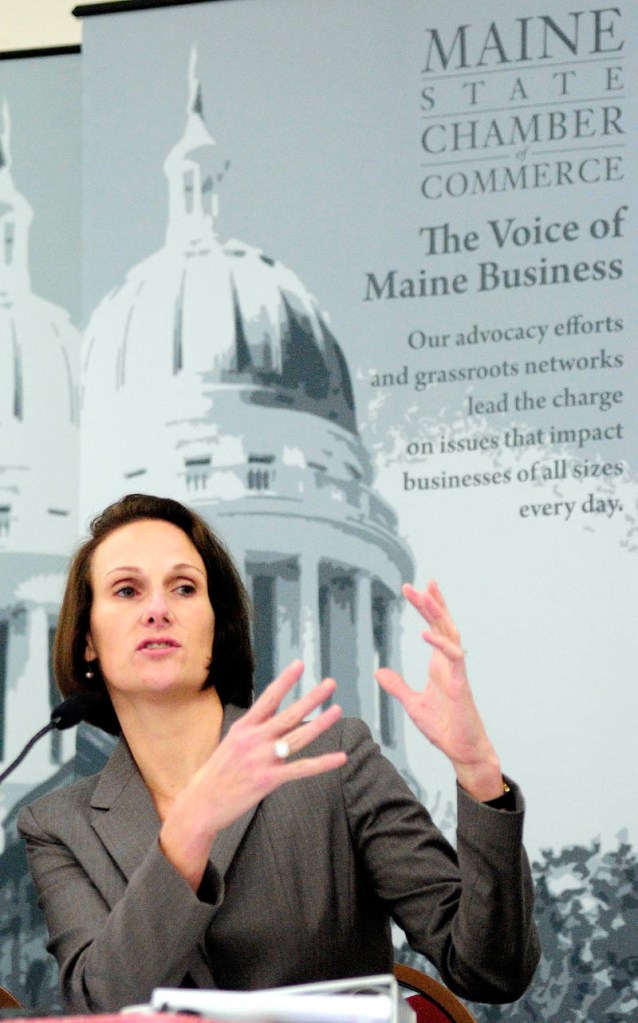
point(171, 740)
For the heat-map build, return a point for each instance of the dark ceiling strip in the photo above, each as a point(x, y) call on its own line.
point(44, 51)
point(119, 6)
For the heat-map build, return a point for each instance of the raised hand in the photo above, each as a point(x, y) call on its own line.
point(247, 759)
point(248, 764)
point(444, 711)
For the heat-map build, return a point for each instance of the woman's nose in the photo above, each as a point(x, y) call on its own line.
point(157, 611)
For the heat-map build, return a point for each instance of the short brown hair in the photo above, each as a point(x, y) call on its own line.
point(232, 663)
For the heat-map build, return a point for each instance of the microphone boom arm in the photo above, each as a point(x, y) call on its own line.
point(20, 757)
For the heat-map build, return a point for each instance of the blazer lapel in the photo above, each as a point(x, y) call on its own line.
point(124, 815)
point(127, 823)
point(125, 818)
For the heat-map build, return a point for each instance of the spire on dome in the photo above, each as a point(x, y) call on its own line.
point(195, 102)
point(193, 168)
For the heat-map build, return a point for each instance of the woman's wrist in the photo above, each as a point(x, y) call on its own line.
point(506, 801)
point(186, 837)
point(484, 781)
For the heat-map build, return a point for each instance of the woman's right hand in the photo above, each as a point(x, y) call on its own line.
point(245, 767)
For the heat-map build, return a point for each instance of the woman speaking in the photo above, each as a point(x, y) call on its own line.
point(238, 845)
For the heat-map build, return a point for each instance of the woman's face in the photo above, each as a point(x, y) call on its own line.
point(151, 623)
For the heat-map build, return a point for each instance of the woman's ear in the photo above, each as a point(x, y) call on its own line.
point(90, 653)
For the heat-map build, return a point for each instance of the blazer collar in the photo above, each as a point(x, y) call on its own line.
point(125, 818)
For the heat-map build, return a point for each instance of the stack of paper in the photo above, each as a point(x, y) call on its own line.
point(359, 1000)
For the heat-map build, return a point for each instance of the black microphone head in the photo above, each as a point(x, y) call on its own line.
point(72, 710)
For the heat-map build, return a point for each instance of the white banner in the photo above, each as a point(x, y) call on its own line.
point(357, 284)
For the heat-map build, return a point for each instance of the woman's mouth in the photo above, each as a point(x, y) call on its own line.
point(158, 644)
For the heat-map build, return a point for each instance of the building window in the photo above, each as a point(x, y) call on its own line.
point(197, 472)
point(260, 477)
point(188, 191)
point(207, 196)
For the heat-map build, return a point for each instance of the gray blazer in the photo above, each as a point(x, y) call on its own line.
point(302, 888)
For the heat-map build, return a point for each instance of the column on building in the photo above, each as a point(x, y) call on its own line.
point(287, 631)
point(310, 628)
point(364, 663)
point(274, 589)
point(28, 656)
point(27, 630)
point(385, 632)
point(337, 617)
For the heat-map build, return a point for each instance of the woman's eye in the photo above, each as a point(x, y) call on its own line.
point(125, 591)
point(186, 589)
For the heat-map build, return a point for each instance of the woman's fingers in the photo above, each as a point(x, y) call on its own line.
point(265, 710)
point(449, 646)
point(299, 737)
point(293, 715)
point(428, 602)
point(274, 735)
point(393, 683)
point(306, 767)
point(268, 703)
point(431, 606)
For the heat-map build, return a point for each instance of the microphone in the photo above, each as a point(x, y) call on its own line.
point(71, 711)
point(67, 714)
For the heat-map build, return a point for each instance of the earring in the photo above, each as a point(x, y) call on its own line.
point(88, 673)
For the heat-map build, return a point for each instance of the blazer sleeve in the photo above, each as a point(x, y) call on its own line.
point(469, 910)
point(113, 942)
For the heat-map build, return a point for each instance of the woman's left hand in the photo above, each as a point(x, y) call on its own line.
point(445, 711)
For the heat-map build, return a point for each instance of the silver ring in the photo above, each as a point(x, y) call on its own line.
point(282, 749)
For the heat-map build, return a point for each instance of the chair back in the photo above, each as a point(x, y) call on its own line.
point(432, 1001)
point(7, 1000)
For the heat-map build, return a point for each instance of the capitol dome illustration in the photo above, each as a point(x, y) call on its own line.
point(39, 448)
point(211, 375)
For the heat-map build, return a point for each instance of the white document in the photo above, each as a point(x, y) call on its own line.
point(375, 999)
